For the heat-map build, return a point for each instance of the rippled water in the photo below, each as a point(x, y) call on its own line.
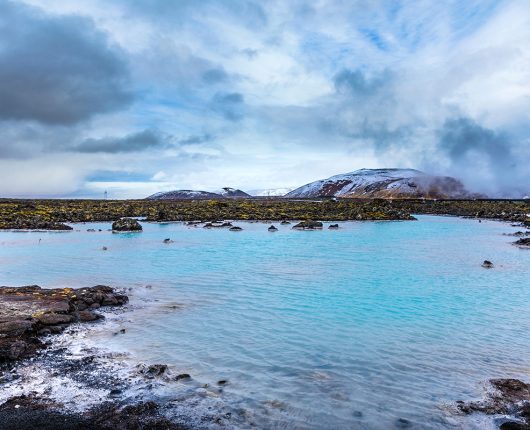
point(357, 328)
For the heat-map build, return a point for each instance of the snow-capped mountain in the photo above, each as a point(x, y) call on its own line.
point(184, 195)
point(384, 183)
point(271, 192)
point(224, 193)
point(232, 193)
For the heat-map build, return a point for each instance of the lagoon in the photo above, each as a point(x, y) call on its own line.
point(377, 325)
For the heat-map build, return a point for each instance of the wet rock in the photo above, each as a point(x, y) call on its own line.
point(182, 376)
point(217, 224)
point(236, 228)
point(168, 240)
point(284, 222)
point(487, 264)
point(152, 371)
point(308, 225)
point(32, 413)
point(524, 242)
point(512, 425)
point(104, 248)
point(30, 311)
point(126, 224)
point(86, 316)
point(15, 328)
point(54, 319)
point(507, 397)
point(518, 234)
point(402, 423)
point(222, 382)
point(333, 226)
point(272, 228)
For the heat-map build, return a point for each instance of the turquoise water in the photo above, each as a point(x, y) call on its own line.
point(355, 328)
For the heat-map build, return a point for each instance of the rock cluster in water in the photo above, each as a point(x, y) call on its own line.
point(508, 397)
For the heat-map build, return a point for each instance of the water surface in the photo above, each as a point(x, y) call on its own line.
point(355, 328)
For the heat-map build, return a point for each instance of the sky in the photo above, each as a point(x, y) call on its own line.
point(137, 97)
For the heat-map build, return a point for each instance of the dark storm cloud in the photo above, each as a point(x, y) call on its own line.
point(57, 69)
point(230, 105)
point(463, 137)
point(147, 139)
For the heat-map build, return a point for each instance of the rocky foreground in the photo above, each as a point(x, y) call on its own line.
point(28, 313)
point(28, 316)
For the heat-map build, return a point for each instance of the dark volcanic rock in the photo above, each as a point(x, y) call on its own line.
point(487, 264)
point(333, 226)
point(524, 242)
point(35, 223)
point(308, 225)
point(272, 228)
point(217, 225)
point(508, 397)
point(126, 224)
point(29, 312)
point(236, 228)
point(31, 413)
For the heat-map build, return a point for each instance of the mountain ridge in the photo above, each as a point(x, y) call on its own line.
point(384, 183)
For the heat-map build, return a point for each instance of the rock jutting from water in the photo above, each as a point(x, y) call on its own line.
point(126, 224)
point(308, 225)
point(524, 242)
point(507, 397)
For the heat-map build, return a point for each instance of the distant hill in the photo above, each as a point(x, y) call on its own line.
point(224, 193)
point(271, 192)
point(232, 193)
point(384, 183)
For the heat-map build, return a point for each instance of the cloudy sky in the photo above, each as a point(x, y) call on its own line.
point(136, 97)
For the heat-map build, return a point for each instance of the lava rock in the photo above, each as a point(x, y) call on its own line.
point(236, 228)
point(272, 228)
point(333, 226)
point(487, 264)
point(126, 224)
point(308, 225)
point(524, 242)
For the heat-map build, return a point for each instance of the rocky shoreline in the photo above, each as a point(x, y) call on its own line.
point(31, 319)
point(53, 214)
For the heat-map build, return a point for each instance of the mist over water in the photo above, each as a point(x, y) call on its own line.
point(356, 328)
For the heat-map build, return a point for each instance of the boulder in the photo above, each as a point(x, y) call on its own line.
point(86, 316)
point(333, 226)
point(235, 228)
point(524, 242)
point(308, 225)
point(487, 264)
point(126, 224)
point(272, 228)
